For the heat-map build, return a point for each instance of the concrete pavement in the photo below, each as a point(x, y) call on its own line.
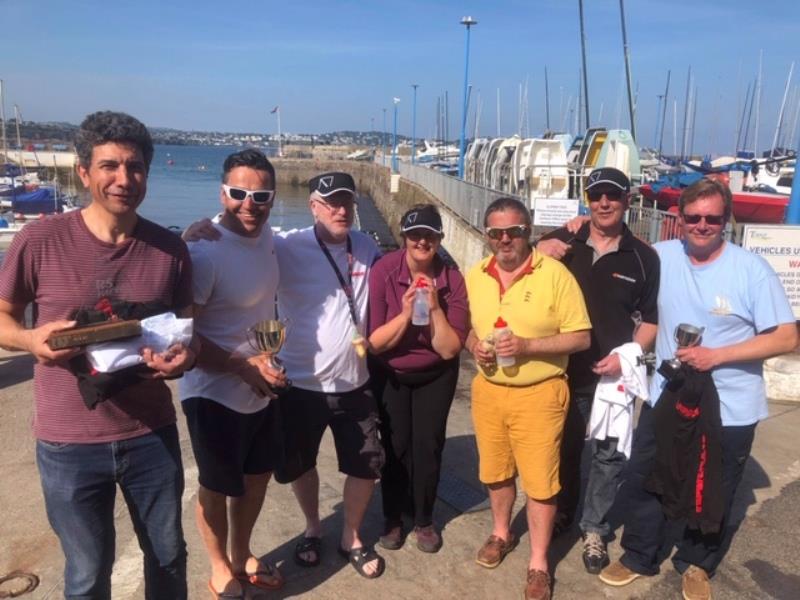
point(761, 564)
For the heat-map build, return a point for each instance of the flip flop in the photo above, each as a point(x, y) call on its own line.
point(358, 557)
point(225, 595)
point(266, 577)
point(308, 544)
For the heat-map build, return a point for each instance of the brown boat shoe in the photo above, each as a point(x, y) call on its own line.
point(695, 584)
point(538, 585)
point(495, 549)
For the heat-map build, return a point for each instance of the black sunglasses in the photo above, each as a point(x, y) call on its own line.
point(595, 196)
point(710, 219)
point(241, 194)
point(416, 235)
point(514, 231)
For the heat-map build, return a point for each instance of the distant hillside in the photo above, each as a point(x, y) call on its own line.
point(64, 133)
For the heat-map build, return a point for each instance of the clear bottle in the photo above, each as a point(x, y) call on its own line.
point(421, 310)
point(501, 330)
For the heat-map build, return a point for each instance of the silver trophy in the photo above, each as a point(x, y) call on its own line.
point(686, 336)
point(648, 359)
point(268, 337)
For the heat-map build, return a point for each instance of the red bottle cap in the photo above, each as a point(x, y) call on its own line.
point(499, 324)
point(421, 283)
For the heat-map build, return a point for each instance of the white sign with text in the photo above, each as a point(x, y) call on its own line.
point(780, 246)
point(554, 212)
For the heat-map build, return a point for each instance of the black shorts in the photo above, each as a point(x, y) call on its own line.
point(228, 445)
point(353, 419)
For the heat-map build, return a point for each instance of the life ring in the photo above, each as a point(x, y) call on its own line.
point(773, 167)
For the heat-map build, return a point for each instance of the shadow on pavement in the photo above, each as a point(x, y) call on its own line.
point(300, 580)
point(15, 369)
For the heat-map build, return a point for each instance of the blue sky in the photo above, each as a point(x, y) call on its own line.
point(335, 65)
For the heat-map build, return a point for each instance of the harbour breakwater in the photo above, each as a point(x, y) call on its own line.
point(392, 196)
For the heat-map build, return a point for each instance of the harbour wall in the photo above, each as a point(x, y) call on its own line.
point(462, 241)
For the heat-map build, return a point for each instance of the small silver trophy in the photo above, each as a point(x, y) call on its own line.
point(268, 337)
point(648, 359)
point(686, 336)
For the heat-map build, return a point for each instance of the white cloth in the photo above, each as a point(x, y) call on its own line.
point(234, 280)
point(613, 405)
point(319, 354)
point(159, 332)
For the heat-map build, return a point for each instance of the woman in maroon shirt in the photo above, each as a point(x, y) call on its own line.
point(416, 372)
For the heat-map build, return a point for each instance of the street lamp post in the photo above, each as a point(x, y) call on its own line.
point(468, 22)
point(394, 136)
point(414, 127)
point(383, 140)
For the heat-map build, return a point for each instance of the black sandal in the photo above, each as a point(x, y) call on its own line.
point(308, 544)
point(358, 557)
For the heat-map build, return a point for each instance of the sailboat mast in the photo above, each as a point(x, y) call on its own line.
point(686, 113)
point(546, 101)
point(627, 69)
point(758, 104)
point(583, 60)
point(780, 114)
point(664, 115)
point(694, 118)
point(741, 121)
point(3, 119)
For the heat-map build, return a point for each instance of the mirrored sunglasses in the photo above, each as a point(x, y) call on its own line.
point(514, 231)
point(241, 194)
point(710, 219)
point(596, 196)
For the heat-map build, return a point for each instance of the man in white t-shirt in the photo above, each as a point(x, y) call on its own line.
point(226, 399)
point(323, 293)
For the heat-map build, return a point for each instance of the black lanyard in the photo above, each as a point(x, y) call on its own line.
point(347, 286)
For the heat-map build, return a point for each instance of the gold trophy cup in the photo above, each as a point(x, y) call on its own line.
point(268, 337)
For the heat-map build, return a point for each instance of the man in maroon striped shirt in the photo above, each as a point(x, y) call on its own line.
point(72, 261)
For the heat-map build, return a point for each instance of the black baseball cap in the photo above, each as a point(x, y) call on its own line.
point(424, 217)
point(327, 184)
point(608, 176)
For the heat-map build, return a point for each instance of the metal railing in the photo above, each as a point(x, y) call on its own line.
point(467, 200)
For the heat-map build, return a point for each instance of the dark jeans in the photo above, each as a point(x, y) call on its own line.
point(79, 483)
point(414, 410)
point(605, 471)
point(645, 523)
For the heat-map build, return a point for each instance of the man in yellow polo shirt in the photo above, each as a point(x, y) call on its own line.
point(519, 411)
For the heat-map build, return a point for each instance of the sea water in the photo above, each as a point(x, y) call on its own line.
point(184, 185)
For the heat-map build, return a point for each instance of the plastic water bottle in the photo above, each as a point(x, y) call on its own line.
point(501, 330)
point(421, 310)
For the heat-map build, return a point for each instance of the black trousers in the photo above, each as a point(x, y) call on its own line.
point(414, 409)
point(572, 442)
point(645, 523)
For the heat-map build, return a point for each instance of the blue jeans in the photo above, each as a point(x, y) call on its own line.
point(80, 482)
point(645, 523)
point(604, 472)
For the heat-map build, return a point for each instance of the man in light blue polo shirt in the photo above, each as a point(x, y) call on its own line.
point(739, 300)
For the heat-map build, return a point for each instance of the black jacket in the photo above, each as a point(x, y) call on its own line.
point(688, 467)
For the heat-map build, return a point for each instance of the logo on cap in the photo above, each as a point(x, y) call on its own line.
point(326, 181)
point(411, 219)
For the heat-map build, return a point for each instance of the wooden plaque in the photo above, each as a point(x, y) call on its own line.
point(92, 334)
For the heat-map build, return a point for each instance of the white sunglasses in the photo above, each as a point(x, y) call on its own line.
point(241, 194)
